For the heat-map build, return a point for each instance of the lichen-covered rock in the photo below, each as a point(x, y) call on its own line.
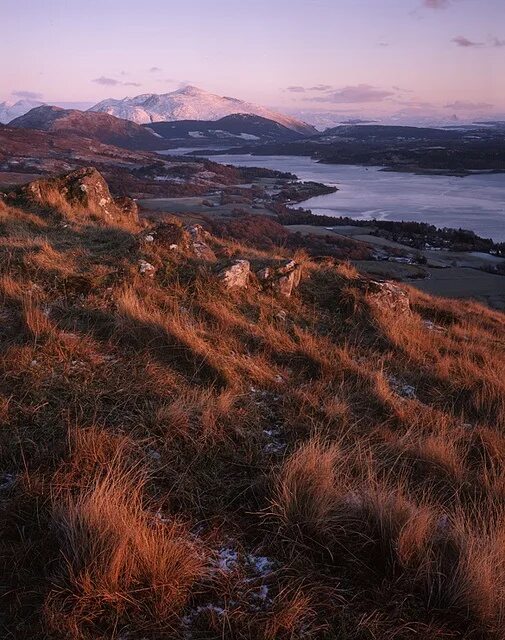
point(80, 193)
point(236, 275)
point(389, 296)
point(199, 242)
point(146, 268)
point(282, 278)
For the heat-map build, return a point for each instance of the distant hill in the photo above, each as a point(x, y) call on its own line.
point(239, 127)
point(99, 126)
point(191, 103)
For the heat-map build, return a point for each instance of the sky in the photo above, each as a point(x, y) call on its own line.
point(353, 58)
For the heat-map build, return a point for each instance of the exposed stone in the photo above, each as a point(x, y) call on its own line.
point(387, 295)
point(283, 278)
point(199, 239)
point(146, 268)
point(80, 192)
point(236, 275)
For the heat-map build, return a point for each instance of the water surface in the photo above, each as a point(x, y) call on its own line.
point(476, 202)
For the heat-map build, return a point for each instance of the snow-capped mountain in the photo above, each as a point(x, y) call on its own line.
point(11, 110)
point(191, 103)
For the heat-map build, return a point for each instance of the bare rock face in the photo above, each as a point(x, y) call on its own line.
point(387, 295)
point(283, 278)
point(81, 192)
point(236, 275)
point(199, 240)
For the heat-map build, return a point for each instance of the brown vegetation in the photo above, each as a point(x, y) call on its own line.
point(182, 461)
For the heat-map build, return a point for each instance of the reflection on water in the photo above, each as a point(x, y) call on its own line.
point(476, 202)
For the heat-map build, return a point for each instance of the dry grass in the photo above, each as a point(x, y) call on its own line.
point(119, 563)
point(346, 462)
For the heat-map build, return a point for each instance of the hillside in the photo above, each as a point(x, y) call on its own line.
point(203, 439)
point(237, 128)
point(28, 153)
point(191, 103)
point(98, 126)
point(398, 148)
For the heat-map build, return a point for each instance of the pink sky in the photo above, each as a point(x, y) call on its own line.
point(354, 57)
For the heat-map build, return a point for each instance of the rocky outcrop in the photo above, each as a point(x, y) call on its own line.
point(389, 296)
point(282, 279)
point(80, 193)
point(199, 242)
point(236, 275)
point(191, 240)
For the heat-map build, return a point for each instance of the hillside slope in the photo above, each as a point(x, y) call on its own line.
point(185, 458)
point(191, 103)
point(239, 128)
point(98, 126)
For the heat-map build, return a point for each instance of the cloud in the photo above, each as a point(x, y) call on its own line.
point(355, 94)
point(155, 69)
point(112, 82)
point(296, 89)
point(462, 105)
point(436, 4)
point(321, 87)
point(383, 44)
point(461, 41)
point(496, 42)
point(27, 95)
point(107, 82)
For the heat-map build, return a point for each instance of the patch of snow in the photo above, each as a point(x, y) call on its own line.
point(227, 559)
point(402, 389)
point(7, 480)
point(249, 136)
point(261, 565)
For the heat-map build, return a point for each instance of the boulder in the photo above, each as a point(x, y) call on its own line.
point(236, 275)
point(81, 192)
point(389, 296)
point(146, 269)
point(282, 278)
point(199, 238)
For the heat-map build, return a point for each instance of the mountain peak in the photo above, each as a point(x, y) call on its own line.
point(192, 103)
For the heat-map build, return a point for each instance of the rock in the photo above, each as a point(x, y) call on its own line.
point(199, 238)
point(146, 268)
point(80, 192)
point(386, 295)
point(236, 275)
point(283, 278)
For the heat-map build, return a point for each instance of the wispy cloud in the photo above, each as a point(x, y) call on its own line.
point(317, 87)
point(107, 82)
point(463, 105)
point(155, 69)
point(321, 87)
point(492, 41)
point(112, 82)
point(436, 4)
point(27, 95)
point(461, 41)
point(360, 93)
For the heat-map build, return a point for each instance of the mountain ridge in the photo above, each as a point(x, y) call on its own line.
point(191, 103)
point(103, 127)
